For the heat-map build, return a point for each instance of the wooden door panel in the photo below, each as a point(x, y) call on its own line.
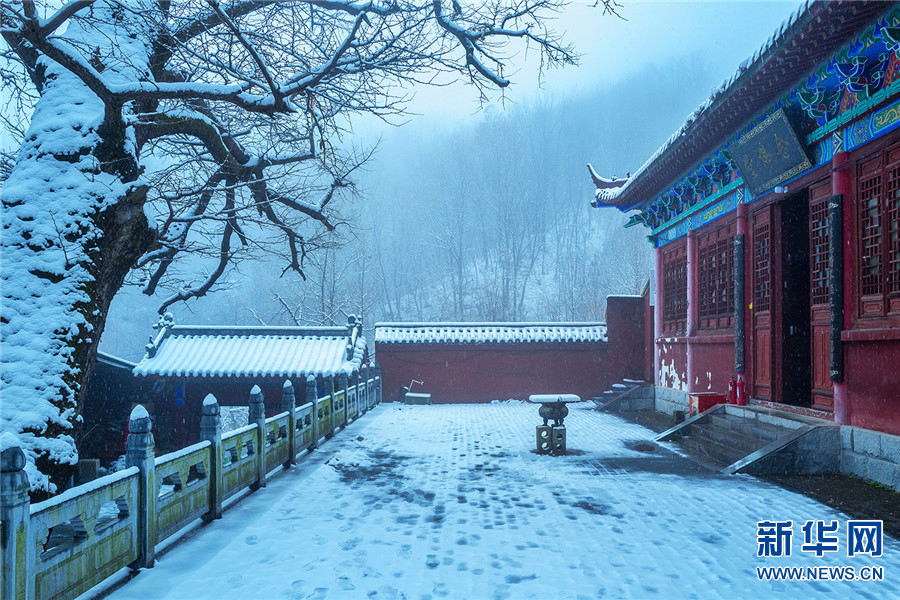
point(762, 277)
point(821, 358)
point(820, 319)
point(823, 402)
point(762, 364)
point(894, 305)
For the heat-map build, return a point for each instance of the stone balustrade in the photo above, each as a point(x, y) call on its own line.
point(62, 547)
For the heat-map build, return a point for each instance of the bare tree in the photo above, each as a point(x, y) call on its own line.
point(219, 121)
point(338, 284)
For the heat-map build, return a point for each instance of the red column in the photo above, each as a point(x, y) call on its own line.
point(742, 219)
point(657, 310)
point(691, 327)
point(743, 228)
point(841, 183)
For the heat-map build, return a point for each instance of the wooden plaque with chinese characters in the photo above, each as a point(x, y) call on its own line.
point(770, 154)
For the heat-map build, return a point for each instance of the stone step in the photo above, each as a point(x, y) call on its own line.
point(749, 427)
point(721, 454)
point(727, 437)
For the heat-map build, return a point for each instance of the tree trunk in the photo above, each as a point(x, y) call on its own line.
point(73, 227)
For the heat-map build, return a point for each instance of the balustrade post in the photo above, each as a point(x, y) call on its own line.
point(313, 397)
point(211, 430)
point(364, 380)
point(15, 513)
point(140, 452)
point(370, 400)
point(288, 404)
point(370, 391)
point(377, 384)
point(342, 384)
point(329, 391)
point(354, 382)
point(258, 416)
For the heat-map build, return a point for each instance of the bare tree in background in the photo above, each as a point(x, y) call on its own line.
point(218, 120)
point(338, 284)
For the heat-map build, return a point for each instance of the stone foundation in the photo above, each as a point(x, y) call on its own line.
point(871, 455)
point(668, 401)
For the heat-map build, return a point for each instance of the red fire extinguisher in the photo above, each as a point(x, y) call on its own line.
point(732, 392)
point(741, 398)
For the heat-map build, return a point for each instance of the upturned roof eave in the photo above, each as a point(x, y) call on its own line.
point(712, 125)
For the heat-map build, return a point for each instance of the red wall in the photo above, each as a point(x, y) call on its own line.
point(714, 364)
point(873, 384)
point(625, 319)
point(465, 373)
point(454, 373)
point(673, 363)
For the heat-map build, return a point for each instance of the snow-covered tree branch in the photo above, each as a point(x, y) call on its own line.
point(164, 128)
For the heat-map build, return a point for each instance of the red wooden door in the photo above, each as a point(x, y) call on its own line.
point(762, 309)
point(822, 387)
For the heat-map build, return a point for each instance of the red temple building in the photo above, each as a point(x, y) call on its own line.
point(774, 214)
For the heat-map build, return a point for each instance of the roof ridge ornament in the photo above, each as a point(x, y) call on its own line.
point(165, 321)
point(603, 183)
point(354, 332)
point(164, 324)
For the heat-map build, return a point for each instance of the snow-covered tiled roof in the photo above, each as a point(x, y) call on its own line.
point(253, 352)
point(488, 333)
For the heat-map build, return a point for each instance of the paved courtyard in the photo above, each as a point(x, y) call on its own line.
point(427, 502)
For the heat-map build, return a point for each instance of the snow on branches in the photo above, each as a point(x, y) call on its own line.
point(168, 130)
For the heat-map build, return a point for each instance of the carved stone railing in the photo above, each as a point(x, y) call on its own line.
point(62, 547)
point(183, 489)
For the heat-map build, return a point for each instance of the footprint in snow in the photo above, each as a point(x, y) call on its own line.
point(350, 544)
point(387, 592)
point(344, 583)
point(251, 540)
point(432, 561)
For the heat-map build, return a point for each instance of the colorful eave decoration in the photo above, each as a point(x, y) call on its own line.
point(824, 110)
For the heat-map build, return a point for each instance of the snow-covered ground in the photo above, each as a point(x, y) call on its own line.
point(426, 502)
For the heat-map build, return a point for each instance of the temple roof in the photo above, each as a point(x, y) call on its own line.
point(187, 351)
point(810, 36)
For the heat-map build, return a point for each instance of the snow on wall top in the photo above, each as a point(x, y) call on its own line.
point(253, 352)
point(488, 333)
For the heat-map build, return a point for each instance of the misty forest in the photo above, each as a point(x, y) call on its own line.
point(485, 219)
